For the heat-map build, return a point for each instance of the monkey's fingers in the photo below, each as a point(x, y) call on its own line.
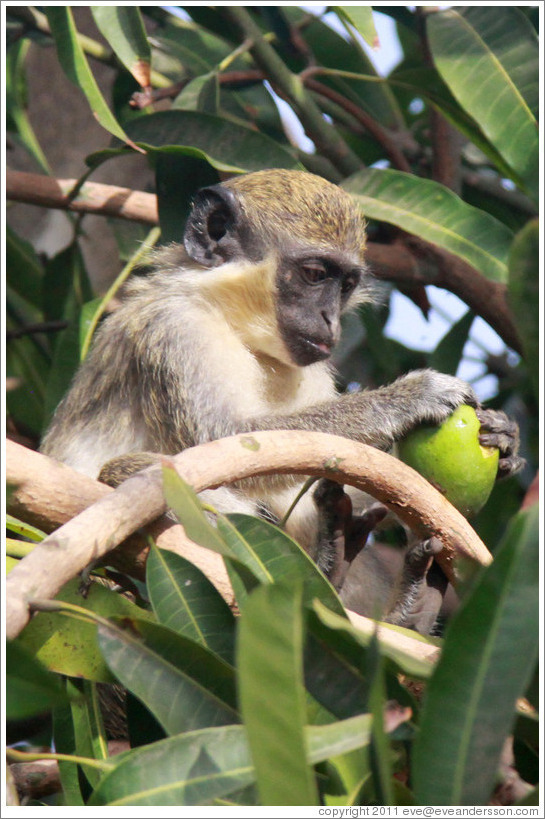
point(501, 432)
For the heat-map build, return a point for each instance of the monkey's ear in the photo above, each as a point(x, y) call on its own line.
point(214, 229)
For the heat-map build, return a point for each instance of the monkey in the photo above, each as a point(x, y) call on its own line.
point(232, 332)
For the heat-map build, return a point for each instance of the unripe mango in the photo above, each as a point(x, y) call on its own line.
point(452, 459)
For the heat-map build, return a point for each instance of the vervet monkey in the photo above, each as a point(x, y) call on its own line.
point(232, 333)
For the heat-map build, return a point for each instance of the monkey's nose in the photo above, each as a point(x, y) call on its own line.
point(333, 326)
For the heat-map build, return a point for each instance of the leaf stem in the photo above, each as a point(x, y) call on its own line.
point(146, 245)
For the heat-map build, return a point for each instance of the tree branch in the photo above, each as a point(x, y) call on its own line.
point(366, 120)
point(93, 197)
point(289, 85)
point(409, 261)
point(117, 514)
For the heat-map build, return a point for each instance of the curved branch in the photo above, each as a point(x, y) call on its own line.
point(138, 501)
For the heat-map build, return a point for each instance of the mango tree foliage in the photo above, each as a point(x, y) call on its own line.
point(284, 701)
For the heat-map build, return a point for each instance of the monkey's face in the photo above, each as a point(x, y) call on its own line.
point(313, 289)
point(291, 247)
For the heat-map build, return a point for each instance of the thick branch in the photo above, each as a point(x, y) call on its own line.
point(94, 197)
point(49, 494)
point(422, 263)
point(138, 501)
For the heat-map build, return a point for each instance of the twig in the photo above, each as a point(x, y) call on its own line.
point(418, 262)
point(32, 329)
point(369, 123)
point(138, 501)
point(325, 137)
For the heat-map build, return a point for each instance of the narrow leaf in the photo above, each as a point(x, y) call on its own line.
point(380, 752)
point(76, 67)
point(470, 702)
point(272, 694)
point(404, 655)
point(89, 734)
point(227, 146)
point(30, 688)
point(25, 271)
point(184, 600)
point(183, 685)
point(489, 58)
point(123, 28)
point(434, 213)
point(199, 767)
point(361, 17)
point(273, 556)
point(523, 295)
point(24, 529)
point(447, 355)
point(183, 501)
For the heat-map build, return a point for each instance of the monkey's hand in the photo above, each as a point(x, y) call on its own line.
point(420, 397)
point(500, 431)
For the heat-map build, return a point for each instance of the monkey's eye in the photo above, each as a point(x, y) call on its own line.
point(314, 273)
point(349, 284)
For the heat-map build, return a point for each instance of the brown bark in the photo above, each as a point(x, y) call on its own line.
point(117, 514)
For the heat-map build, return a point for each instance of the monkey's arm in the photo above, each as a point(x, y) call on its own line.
point(381, 416)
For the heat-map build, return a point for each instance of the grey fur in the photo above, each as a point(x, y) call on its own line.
point(203, 349)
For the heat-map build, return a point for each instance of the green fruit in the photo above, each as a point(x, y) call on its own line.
point(452, 459)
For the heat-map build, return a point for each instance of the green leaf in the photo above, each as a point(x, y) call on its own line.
point(523, 295)
point(66, 290)
point(380, 752)
point(272, 556)
point(69, 645)
point(331, 50)
point(183, 684)
point(183, 599)
point(436, 214)
point(75, 66)
point(226, 146)
point(489, 58)
point(447, 355)
point(469, 708)
point(177, 180)
point(272, 694)
point(338, 671)
point(65, 743)
point(361, 17)
point(24, 529)
point(191, 769)
point(201, 94)
point(185, 504)
point(89, 733)
point(16, 102)
point(30, 688)
point(199, 767)
point(123, 29)
point(24, 269)
point(404, 659)
point(426, 82)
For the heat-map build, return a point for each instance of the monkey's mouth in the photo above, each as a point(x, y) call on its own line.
point(315, 349)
